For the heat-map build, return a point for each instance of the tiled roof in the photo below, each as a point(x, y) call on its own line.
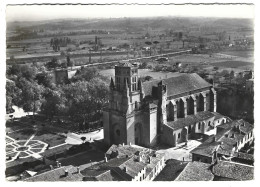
point(233, 171)
point(58, 174)
point(127, 158)
point(177, 85)
point(171, 170)
point(103, 167)
point(207, 148)
point(190, 119)
point(196, 171)
point(217, 115)
point(243, 125)
point(123, 150)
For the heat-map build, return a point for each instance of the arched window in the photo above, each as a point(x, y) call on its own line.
point(209, 123)
point(179, 135)
point(189, 130)
point(136, 104)
point(199, 126)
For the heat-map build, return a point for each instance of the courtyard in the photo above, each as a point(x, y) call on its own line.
point(180, 152)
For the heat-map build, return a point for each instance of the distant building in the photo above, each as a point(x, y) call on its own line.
point(250, 85)
point(166, 110)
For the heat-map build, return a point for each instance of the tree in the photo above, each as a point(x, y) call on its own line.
point(53, 103)
point(23, 70)
point(70, 63)
point(85, 99)
point(13, 95)
point(53, 63)
point(85, 74)
point(31, 95)
point(45, 79)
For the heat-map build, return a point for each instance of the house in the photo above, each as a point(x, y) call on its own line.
point(126, 163)
point(230, 138)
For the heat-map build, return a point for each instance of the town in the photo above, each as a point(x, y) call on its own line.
point(130, 99)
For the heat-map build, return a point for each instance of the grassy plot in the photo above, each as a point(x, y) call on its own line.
point(231, 64)
point(240, 53)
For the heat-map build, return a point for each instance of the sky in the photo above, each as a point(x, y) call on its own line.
point(46, 12)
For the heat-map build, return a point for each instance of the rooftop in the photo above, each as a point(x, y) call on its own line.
point(233, 170)
point(226, 139)
point(171, 171)
point(58, 174)
point(196, 171)
point(126, 157)
point(177, 85)
point(190, 119)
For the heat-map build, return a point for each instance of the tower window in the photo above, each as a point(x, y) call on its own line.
point(179, 135)
point(199, 126)
point(118, 132)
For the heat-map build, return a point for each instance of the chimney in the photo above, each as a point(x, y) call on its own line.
point(57, 163)
point(78, 169)
point(21, 176)
point(125, 169)
point(123, 144)
point(149, 160)
point(105, 159)
point(130, 143)
point(51, 166)
point(66, 173)
point(139, 158)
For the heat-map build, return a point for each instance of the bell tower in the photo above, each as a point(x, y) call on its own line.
point(126, 73)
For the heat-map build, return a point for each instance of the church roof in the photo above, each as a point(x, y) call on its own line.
point(190, 120)
point(177, 85)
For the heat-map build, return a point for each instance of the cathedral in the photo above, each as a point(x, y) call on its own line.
point(170, 110)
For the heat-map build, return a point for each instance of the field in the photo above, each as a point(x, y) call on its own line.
point(143, 73)
point(240, 53)
point(232, 64)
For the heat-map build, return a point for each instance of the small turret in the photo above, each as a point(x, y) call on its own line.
point(140, 87)
point(112, 85)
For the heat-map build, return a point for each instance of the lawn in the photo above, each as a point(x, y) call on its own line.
point(23, 134)
point(43, 134)
point(240, 53)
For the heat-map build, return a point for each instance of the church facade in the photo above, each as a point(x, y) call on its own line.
point(167, 110)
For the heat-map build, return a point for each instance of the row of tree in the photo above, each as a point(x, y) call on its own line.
point(81, 99)
point(56, 43)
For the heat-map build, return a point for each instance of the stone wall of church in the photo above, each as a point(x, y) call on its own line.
point(139, 128)
point(114, 128)
point(168, 136)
